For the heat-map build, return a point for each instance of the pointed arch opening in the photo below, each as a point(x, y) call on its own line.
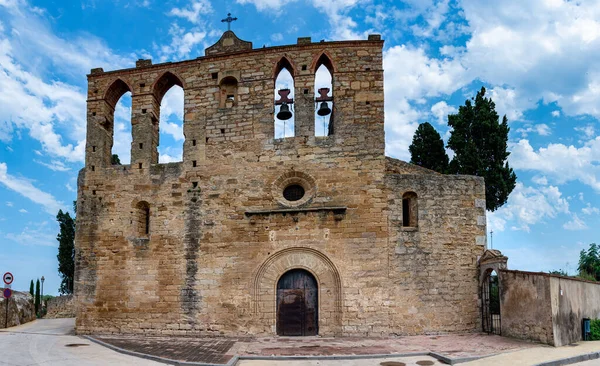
point(324, 108)
point(168, 91)
point(284, 99)
point(118, 121)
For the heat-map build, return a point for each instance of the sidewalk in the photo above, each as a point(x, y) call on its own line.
point(539, 355)
point(223, 350)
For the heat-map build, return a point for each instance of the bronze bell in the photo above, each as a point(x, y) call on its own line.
point(284, 112)
point(324, 109)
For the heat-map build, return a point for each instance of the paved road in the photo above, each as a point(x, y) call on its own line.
point(52, 342)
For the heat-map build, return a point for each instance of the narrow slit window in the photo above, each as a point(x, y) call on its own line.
point(409, 210)
point(143, 219)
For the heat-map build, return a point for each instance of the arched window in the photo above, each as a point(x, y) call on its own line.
point(324, 96)
point(284, 99)
point(143, 219)
point(169, 94)
point(228, 92)
point(118, 121)
point(410, 209)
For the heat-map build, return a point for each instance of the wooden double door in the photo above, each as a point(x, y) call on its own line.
point(297, 304)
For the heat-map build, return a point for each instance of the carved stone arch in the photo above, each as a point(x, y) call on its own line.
point(115, 91)
point(320, 266)
point(164, 83)
point(284, 63)
point(323, 58)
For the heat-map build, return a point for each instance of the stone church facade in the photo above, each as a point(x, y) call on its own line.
point(252, 234)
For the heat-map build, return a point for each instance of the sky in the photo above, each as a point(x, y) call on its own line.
point(538, 59)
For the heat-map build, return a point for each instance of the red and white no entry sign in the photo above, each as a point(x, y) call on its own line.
point(8, 278)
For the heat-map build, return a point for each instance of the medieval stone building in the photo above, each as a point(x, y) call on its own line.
point(253, 234)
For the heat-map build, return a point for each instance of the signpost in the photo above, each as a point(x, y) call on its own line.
point(8, 278)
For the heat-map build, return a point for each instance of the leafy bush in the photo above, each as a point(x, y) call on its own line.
point(595, 330)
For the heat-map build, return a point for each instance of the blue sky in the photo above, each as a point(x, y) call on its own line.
point(539, 60)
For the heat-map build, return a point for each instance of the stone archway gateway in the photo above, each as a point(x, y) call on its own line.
point(297, 304)
point(328, 295)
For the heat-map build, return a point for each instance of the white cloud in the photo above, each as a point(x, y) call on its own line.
point(543, 181)
point(23, 210)
point(588, 131)
point(589, 210)
point(410, 77)
point(35, 234)
point(25, 188)
point(55, 165)
point(70, 188)
point(277, 37)
point(560, 162)
point(9, 204)
point(193, 11)
point(265, 4)
point(556, 113)
point(544, 50)
point(575, 224)
point(528, 206)
point(541, 129)
point(441, 110)
point(182, 43)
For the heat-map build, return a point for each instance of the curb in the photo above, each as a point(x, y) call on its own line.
point(235, 359)
point(571, 360)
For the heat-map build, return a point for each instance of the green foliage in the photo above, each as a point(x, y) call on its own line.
point(31, 288)
point(494, 295)
point(589, 263)
point(479, 142)
point(427, 149)
point(559, 272)
point(37, 300)
point(595, 330)
point(66, 251)
point(115, 160)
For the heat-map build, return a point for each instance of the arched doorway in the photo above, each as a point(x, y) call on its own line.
point(490, 304)
point(297, 304)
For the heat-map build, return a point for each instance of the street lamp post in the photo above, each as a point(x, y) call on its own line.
point(42, 293)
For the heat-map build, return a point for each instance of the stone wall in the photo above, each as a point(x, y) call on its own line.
point(526, 306)
point(20, 309)
point(60, 307)
point(433, 273)
point(221, 233)
point(572, 300)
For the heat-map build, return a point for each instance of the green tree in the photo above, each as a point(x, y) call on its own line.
point(115, 160)
point(559, 272)
point(479, 143)
point(31, 288)
point(427, 149)
point(37, 296)
point(589, 263)
point(66, 251)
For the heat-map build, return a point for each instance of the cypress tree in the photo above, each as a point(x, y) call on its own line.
point(37, 296)
point(31, 289)
point(427, 149)
point(479, 142)
point(66, 251)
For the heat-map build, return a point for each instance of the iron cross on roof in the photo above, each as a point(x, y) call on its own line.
point(228, 20)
